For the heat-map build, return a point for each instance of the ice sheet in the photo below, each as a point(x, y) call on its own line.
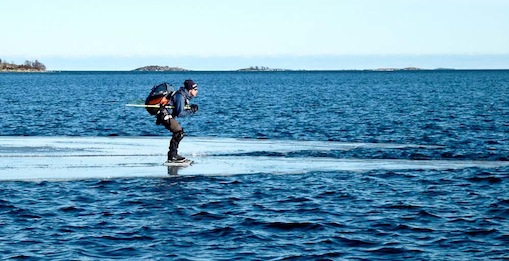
point(63, 158)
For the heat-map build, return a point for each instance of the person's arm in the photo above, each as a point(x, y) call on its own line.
point(180, 109)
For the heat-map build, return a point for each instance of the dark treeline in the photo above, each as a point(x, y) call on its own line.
point(27, 66)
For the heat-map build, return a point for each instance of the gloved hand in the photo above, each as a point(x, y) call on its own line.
point(162, 114)
point(159, 114)
point(160, 109)
point(194, 108)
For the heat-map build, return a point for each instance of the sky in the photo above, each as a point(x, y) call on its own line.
point(234, 34)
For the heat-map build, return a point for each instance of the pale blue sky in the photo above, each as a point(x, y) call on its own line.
point(232, 34)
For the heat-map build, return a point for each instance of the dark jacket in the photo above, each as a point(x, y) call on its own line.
point(180, 102)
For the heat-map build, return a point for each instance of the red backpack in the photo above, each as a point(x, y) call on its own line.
point(156, 95)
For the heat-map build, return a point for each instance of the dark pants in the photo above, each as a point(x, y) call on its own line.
point(178, 134)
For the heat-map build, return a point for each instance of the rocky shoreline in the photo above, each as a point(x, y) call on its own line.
point(21, 70)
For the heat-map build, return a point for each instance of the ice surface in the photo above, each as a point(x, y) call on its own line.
point(63, 158)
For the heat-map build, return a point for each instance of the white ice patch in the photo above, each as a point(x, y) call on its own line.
point(63, 158)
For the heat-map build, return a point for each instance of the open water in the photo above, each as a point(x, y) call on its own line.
point(310, 166)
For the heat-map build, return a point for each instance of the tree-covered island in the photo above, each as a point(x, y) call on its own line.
point(28, 66)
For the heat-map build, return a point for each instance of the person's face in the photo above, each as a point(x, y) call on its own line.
point(193, 92)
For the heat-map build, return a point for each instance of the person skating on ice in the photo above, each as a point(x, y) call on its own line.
point(173, 107)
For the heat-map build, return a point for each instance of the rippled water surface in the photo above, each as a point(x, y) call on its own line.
point(424, 118)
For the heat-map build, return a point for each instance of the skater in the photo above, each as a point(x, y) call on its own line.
point(179, 107)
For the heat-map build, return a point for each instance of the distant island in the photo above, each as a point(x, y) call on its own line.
point(407, 69)
point(28, 66)
point(157, 68)
point(398, 69)
point(260, 69)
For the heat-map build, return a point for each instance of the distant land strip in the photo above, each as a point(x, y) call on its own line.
point(36, 66)
point(157, 68)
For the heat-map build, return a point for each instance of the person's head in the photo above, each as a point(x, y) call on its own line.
point(191, 87)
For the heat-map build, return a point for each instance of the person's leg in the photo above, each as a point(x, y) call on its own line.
point(177, 136)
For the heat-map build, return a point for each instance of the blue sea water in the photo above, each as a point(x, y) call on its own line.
point(380, 214)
